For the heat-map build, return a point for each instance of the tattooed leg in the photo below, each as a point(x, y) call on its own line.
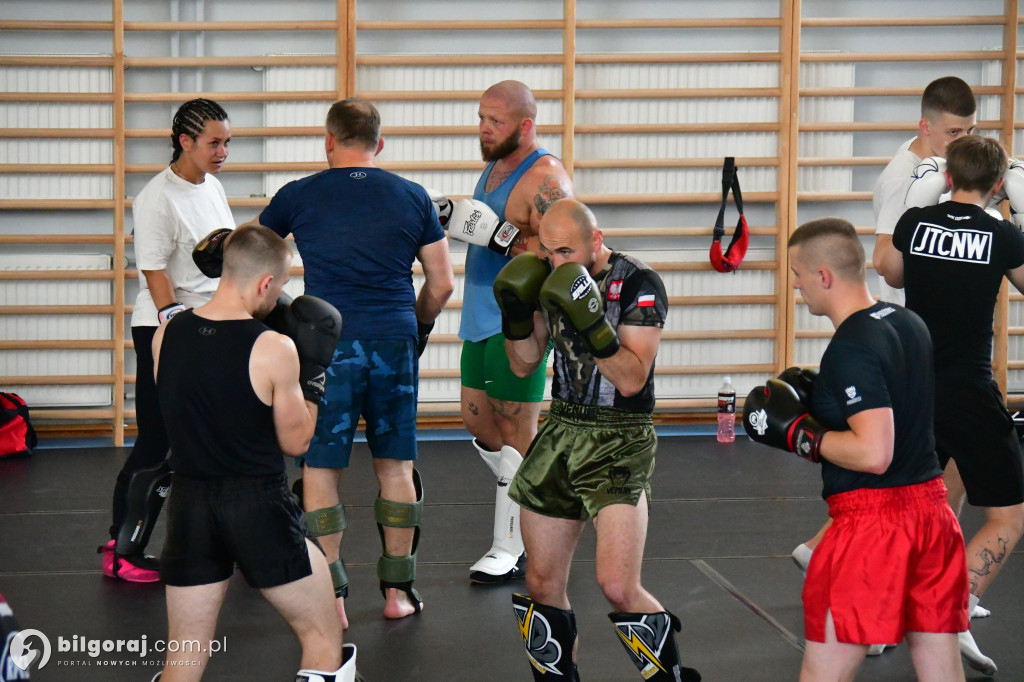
point(479, 418)
point(989, 549)
point(517, 421)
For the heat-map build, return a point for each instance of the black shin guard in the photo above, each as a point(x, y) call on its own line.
point(119, 503)
point(651, 645)
point(147, 489)
point(550, 637)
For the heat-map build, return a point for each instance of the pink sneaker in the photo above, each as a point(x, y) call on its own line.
point(142, 569)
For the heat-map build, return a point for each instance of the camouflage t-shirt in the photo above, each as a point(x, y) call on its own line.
point(633, 295)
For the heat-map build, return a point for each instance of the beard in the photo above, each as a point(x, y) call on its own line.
point(501, 149)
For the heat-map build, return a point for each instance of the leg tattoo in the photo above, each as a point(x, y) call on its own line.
point(989, 562)
point(506, 408)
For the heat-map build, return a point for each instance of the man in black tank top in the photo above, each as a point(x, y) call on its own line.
point(230, 395)
point(867, 418)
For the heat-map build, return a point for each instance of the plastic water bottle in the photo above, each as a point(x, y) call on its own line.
point(727, 412)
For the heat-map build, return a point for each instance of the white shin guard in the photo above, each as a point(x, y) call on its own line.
point(346, 673)
point(507, 546)
point(492, 458)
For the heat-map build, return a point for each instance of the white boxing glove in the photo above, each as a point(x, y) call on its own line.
point(442, 206)
point(1013, 186)
point(929, 183)
point(474, 222)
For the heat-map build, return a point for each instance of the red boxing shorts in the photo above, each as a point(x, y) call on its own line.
point(892, 562)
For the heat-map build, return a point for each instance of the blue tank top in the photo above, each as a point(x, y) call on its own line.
point(481, 317)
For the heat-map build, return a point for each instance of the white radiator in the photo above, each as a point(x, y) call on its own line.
point(989, 109)
point(989, 106)
point(418, 113)
point(56, 115)
point(664, 110)
point(626, 145)
point(831, 110)
point(823, 178)
point(57, 327)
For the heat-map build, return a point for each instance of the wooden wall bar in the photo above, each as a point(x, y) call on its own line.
point(782, 203)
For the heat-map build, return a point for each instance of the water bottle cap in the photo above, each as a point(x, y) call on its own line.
point(728, 380)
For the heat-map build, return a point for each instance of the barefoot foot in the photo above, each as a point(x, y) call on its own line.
point(398, 604)
point(341, 612)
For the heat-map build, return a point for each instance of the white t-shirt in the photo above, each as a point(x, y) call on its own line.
point(888, 201)
point(171, 216)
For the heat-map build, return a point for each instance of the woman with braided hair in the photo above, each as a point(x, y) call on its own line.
point(175, 210)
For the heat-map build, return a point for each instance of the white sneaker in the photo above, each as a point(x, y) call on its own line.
point(802, 557)
point(977, 660)
point(980, 611)
point(876, 650)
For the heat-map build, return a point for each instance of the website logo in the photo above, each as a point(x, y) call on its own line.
point(22, 653)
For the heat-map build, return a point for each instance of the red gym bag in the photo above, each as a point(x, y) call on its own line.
point(741, 237)
point(17, 437)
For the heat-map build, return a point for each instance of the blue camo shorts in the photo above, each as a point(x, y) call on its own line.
point(375, 380)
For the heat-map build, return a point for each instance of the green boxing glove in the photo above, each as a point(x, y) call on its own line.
point(517, 288)
point(572, 291)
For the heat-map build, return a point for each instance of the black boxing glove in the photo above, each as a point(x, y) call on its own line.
point(802, 381)
point(208, 254)
point(773, 415)
point(277, 319)
point(315, 327)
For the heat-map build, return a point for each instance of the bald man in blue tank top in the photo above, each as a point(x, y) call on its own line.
point(501, 410)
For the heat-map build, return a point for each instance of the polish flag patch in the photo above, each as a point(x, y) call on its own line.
point(615, 290)
point(645, 301)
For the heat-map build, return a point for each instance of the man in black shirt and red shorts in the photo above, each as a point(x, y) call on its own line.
point(871, 430)
point(953, 257)
point(236, 396)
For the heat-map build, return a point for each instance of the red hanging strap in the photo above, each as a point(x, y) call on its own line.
point(733, 256)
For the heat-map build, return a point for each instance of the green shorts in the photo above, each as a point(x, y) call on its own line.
point(584, 459)
point(485, 367)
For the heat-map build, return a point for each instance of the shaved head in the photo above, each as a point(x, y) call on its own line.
point(517, 97)
point(569, 213)
point(254, 251)
point(831, 243)
point(569, 233)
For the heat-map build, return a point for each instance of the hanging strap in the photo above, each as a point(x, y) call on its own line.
point(730, 180)
point(731, 259)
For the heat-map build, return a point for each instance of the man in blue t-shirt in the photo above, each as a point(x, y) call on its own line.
point(358, 230)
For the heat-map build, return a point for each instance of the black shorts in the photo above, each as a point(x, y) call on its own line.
point(974, 429)
point(214, 524)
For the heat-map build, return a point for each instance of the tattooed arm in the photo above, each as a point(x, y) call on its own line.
point(545, 183)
